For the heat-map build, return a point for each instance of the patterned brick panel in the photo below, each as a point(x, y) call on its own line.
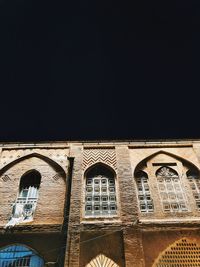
point(95, 155)
point(181, 253)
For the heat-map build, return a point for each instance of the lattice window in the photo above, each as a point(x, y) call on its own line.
point(28, 192)
point(170, 189)
point(25, 204)
point(19, 256)
point(182, 253)
point(194, 181)
point(100, 195)
point(144, 196)
point(102, 261)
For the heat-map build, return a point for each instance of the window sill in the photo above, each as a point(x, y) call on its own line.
point(164, 221)
point(100, 219)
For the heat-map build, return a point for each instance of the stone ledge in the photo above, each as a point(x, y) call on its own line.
point(57, 228)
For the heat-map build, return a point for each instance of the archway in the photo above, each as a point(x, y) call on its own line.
point(20, 256)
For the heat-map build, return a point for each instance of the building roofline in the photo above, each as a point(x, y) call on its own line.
point(105, 141)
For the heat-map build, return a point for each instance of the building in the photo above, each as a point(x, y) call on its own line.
point(100, 204)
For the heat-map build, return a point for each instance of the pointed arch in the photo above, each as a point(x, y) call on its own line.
point(100, 191)
point(143, 162)
point(20, 255)
point(53, 163)
point(183, 252)
point(100, 166)
point(27, 195)
point(30, 178)
point(170, 184)
point(102, 261)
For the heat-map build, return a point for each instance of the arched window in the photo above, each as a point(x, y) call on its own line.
point(102, 261)
point(100, 193)
point(170, 189)
point(29, 185)
point(194, 180)
point(25, 205)
point(19, 256)
point(144, 197)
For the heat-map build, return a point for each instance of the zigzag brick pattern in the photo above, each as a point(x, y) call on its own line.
point(95, 155)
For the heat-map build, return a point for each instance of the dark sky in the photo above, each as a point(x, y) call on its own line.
point(99, 69)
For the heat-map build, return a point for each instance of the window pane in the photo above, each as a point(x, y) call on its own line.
point(144, 192)
point(103, 196)
point(194, 182)
point(171, 190)
point(19, 256)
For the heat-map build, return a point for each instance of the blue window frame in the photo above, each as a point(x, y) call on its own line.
point(19, 256)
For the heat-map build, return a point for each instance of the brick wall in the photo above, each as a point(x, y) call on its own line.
point(132, 238)
point(50, 205)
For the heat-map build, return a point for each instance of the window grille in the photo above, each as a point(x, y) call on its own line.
point(144, 197)
point(19, 256)
point(194, 181)
point(100, 194)
point(25, 204)
point(170, 189)
point(26, 201)
point(182, 253)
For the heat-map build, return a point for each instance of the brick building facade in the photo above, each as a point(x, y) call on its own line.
point(100, 204)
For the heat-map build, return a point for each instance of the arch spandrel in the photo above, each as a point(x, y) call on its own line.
point(169, 156)
point(58, 168)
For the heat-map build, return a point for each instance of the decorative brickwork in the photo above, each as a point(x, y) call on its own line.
point(95, 155)
point(56, 154)
point(51, 198)
point(102, 204)
point(6, 178)
point(183, 253)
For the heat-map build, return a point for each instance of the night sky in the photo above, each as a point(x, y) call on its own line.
point(86, 70)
